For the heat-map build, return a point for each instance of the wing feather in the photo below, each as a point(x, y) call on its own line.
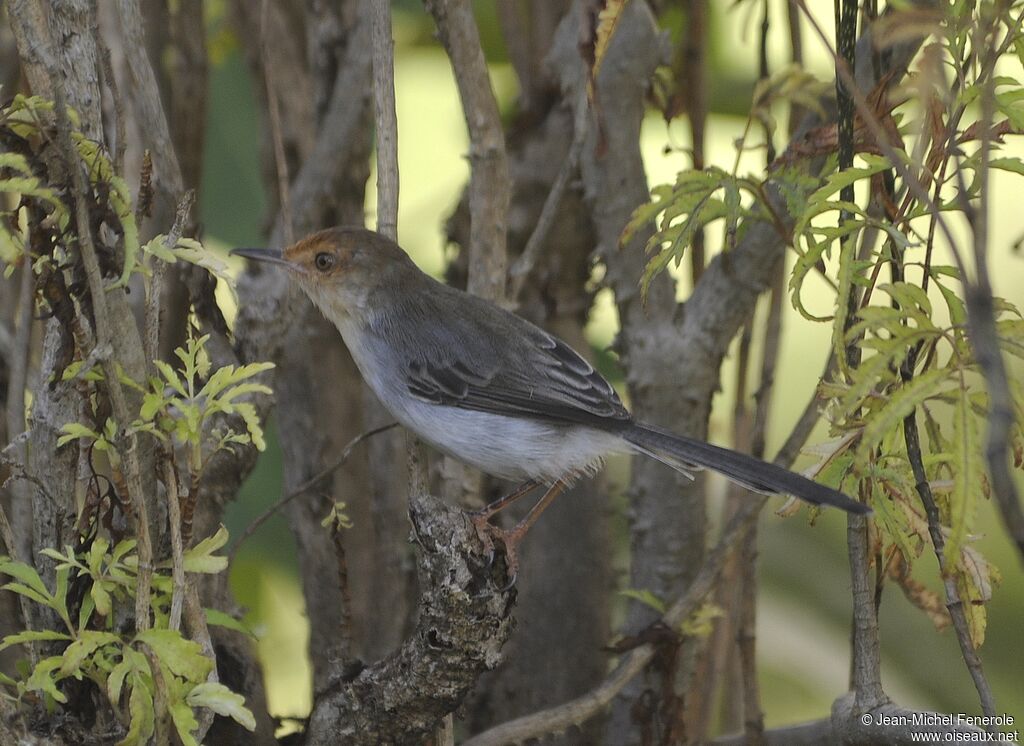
point(511, 371)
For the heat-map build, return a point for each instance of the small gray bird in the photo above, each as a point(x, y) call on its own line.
point(488, 387)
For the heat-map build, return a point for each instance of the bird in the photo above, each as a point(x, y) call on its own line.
point(488, 387)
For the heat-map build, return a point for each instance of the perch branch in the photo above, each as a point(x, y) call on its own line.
point(460, 628)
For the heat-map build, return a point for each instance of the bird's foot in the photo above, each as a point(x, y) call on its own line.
point(490, 535)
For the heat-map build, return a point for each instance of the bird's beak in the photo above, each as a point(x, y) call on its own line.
point(271, 256)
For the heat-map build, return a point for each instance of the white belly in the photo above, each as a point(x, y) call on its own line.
point(511, 448)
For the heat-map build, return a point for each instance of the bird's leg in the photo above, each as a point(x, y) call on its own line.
point(481, 518)
point(511, 538)
point(505, 500)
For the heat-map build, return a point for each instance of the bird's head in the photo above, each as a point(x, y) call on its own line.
point(340, 268)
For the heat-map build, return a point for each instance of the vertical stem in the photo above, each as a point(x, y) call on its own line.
point(866, 664)
point(274, 114)
point(981, 315)
point(22, 339)
point(177, 545)
point(695, 53)
point(386, 119)
point(796, 54)
point(489, 186)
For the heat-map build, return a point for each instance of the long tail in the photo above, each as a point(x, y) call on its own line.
point(686, 455)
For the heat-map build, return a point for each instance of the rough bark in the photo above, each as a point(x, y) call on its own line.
point(462, 622)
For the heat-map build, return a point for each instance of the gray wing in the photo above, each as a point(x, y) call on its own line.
point(491, 360)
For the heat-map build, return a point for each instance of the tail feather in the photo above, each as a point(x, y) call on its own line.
point(687, 455)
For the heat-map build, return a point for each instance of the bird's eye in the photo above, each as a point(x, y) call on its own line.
point(324, 261)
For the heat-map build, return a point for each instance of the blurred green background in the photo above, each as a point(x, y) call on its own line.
point(804, 603)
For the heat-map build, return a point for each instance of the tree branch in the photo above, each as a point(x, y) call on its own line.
point(461, 626)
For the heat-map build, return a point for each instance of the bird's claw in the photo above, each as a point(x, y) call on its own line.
point(488, 534)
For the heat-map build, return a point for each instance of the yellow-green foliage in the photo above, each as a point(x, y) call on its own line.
point(118, 663)
point(910, 334)
point(191, 409)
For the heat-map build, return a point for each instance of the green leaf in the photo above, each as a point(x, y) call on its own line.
point(218, 618)
point(243, 388)
point(24, 590)
point(182, 657)
point(74, 431)
point(193, 252)
point(132, 660)
point(967, 475)
point(223, 701)
point(201, 557)
point(140, 707)
point(171, 376)
point(60, 595)
point(101, 598)
point(158, 248)
point(26, 574)
point(901, 403)
point(912, 300)
point(1013, 165)
point(123, 547)
point(36, 635)
point(184, 722)
point(252, 423)
point(43, 679)
point(85, 612)
point(645, 596)
point(86, 644)
point(94, 559)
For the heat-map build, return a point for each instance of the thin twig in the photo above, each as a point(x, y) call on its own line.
point(953, 601)
point(796, 45)
point(866, 677)
point(195, 618)
point(489, 184)
point(915, 186)
point(881, 139)
point(386, 119)
point(121, 139)
point(22, 341)
point(160, 698)
point(522, 267)
point(446, 731)
point(575, 712)
point(151, 340)
point(981, 318)
point(280, 161)
point(304, 488)
point(345, 650)
point(695, 90)
point(7, 536)
point(177, 546)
